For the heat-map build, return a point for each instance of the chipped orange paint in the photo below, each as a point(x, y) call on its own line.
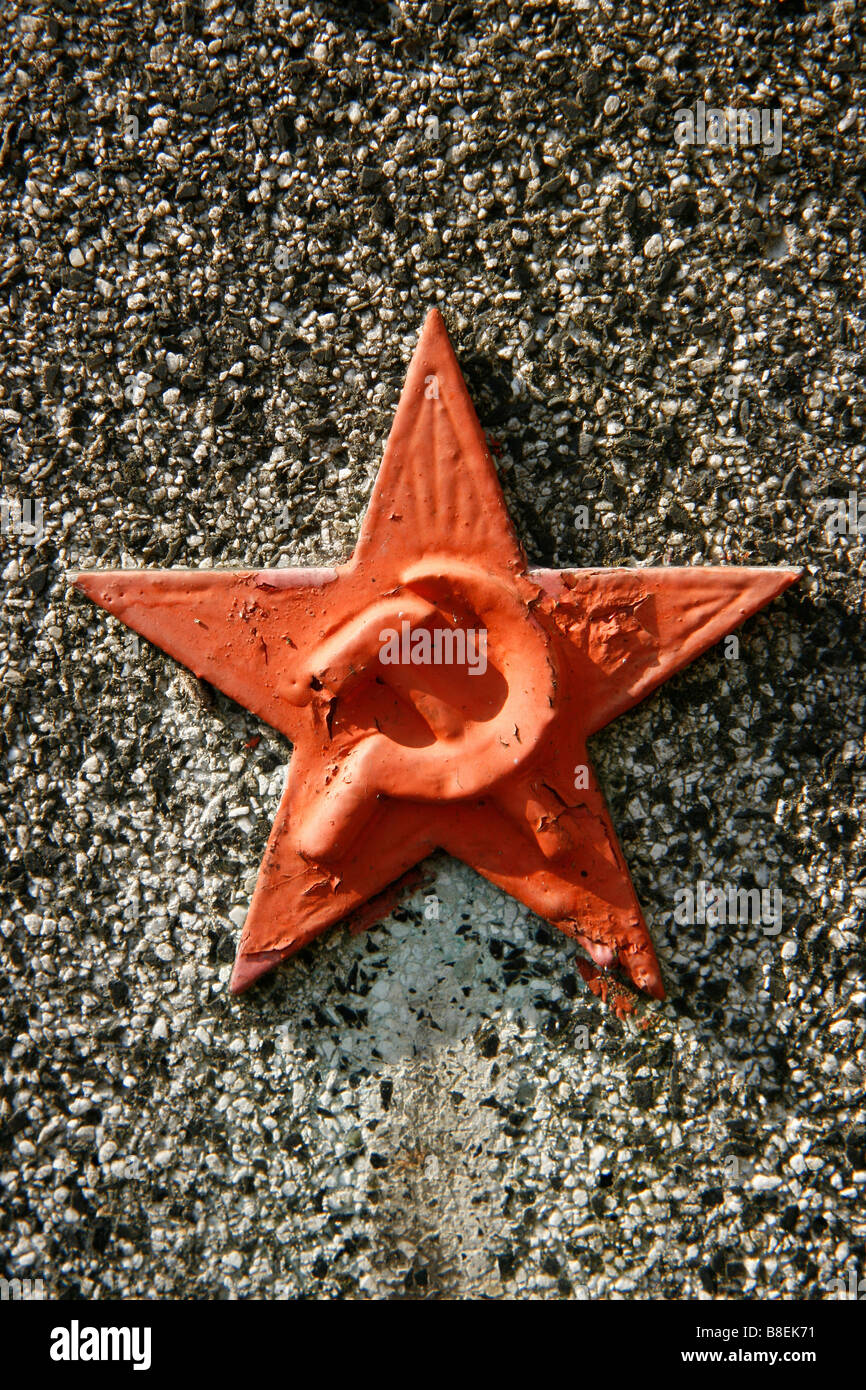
point(609, 991)
point(393, 760)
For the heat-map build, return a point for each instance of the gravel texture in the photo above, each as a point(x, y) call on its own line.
point(221, 226)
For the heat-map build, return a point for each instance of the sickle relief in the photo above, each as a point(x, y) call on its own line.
point(471, 743)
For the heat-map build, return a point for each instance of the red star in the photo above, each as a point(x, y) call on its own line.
point(393, 759)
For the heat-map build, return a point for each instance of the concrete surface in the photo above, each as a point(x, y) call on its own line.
point(221, 228)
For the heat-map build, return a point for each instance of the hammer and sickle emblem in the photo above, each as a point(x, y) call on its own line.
point(465, 756)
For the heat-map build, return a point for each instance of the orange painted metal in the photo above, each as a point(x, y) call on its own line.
point(399, 750)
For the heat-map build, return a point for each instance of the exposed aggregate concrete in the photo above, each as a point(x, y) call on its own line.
point(205, 324)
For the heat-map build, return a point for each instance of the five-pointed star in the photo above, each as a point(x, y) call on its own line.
point(394, 758)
